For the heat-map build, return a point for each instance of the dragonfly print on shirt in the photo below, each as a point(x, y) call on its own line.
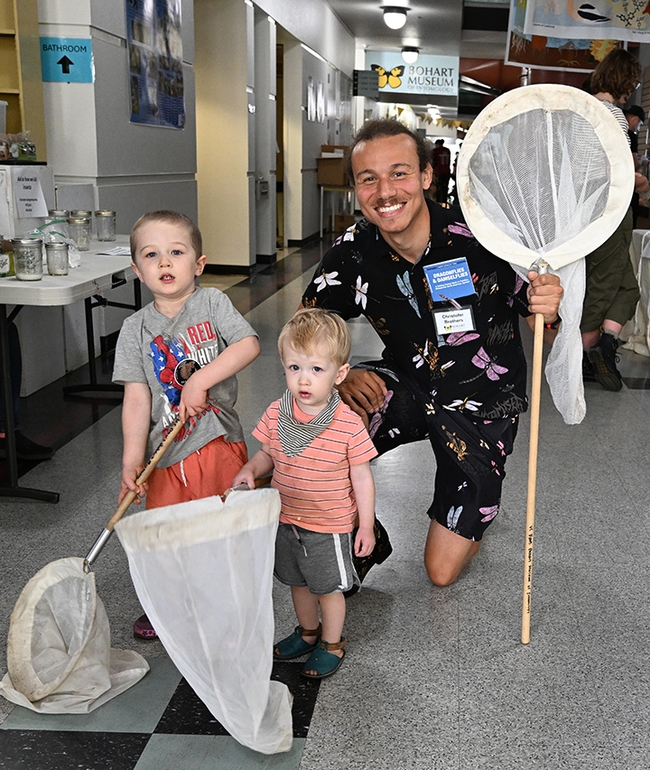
point(487, 365)
point(404, 285)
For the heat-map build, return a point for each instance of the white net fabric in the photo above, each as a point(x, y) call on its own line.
point(59, 656)
point(546, 171)
point(203, 572)
point(541, 177)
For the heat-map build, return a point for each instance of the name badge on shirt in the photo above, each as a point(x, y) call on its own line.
point(454, 319)
point(449, 280)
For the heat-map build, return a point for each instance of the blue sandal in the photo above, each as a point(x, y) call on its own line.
point(322, 661)
point(293, 646)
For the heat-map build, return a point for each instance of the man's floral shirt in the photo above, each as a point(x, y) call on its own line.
point(480, 372)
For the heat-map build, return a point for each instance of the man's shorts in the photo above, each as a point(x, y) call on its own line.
point(322, 561)
point(470, 454)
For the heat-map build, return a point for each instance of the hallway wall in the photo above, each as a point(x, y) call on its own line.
point(235, 70)
point(132, 168)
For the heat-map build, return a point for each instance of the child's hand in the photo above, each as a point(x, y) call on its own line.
point(245, 476)
point(129, 476)
point(364, 542)
point(194, 398)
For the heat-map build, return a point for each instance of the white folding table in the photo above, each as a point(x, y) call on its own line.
point(96, 275)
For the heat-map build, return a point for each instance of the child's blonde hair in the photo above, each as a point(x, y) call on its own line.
point(171, 218)
point(313, 326)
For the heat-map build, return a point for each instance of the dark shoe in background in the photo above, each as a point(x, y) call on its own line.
point(587, 369)
point(380, 553)
point(603, 359)
point(26, 449)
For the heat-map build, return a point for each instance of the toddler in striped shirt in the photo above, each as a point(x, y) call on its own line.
point(320, 453)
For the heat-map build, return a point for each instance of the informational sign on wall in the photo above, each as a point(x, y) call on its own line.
point(430, 75)
point(155, 51)
point(28, 193)
point(67, 60)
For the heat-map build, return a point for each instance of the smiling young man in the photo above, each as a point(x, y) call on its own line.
point(453, 370)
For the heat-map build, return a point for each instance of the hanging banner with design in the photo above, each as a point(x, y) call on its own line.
point(155, 51)
point(539, 51)
point(576, 19)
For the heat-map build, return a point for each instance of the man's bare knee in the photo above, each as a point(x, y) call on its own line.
point(446, 553)
point(440, 575)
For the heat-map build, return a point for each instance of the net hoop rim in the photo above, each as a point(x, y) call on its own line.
point(21, 671)
point(551, 97)
point(199, 521)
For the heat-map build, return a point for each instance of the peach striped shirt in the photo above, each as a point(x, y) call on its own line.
point(315, 487)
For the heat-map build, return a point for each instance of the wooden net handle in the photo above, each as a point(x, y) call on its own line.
point(146, 472)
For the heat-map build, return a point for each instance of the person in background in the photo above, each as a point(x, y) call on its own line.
point(635, 117)
point(177, 359)
point(441, 162)
point(612, 292)
point(320, 454)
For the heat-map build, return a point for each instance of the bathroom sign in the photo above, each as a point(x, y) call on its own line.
point(67, 59)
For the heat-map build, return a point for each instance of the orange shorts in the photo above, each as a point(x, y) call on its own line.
point(206, 472)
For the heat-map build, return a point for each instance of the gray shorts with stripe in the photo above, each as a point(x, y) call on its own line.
point(322, 561)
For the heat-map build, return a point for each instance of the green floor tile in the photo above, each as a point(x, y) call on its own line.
point(217, 752)
point(137, 710)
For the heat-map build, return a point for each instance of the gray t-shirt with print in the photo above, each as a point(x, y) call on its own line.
point(162, 352)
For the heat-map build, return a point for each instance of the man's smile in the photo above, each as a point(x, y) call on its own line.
point(387, 210)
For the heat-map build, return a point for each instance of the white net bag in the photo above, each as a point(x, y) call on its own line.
point(203, 572)
point(59, 657)
point(546, 171)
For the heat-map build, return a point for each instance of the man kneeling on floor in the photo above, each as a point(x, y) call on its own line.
point(461, 388)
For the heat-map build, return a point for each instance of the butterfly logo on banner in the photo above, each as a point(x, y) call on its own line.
point(392, 78)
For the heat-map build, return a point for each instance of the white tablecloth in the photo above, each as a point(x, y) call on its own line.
point(636, 332)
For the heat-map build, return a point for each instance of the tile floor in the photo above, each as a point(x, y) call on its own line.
point(435, 679)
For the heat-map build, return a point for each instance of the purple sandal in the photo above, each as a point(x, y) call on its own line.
point(142, 629)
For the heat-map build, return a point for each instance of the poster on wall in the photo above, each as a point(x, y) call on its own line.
point(315, 101)
point(616, 19)
point(155, 51)
point(539, 51)
point(311, 99)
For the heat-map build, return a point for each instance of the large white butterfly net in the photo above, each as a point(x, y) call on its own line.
point(203, 572)
point(546, 171)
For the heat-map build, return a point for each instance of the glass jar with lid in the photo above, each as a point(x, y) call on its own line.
point(79, 231)
point(56, 222)
point(5, 261)
point(28, 258)
point(105, 224)
point(57, 257)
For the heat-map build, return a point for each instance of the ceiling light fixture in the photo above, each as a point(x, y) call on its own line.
point(394, 17)
point(410, 54)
